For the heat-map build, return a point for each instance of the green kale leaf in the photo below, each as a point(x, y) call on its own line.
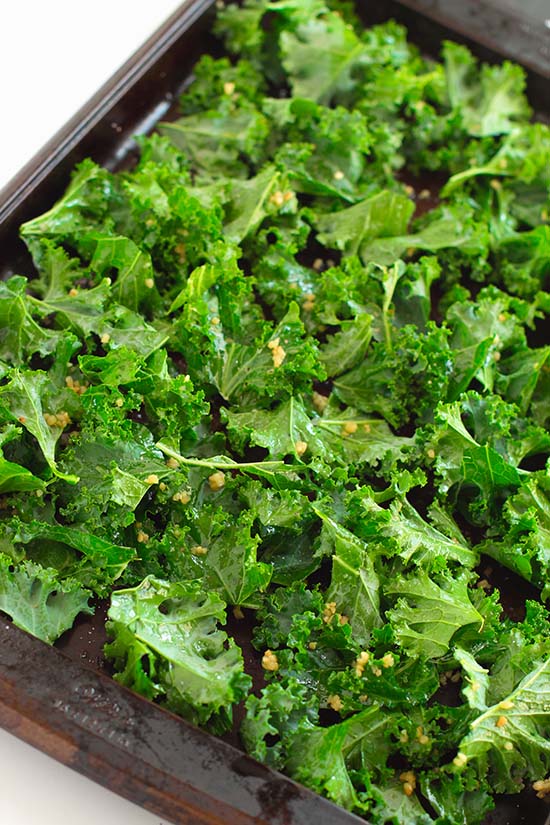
point(37, 601)
point(166, 643)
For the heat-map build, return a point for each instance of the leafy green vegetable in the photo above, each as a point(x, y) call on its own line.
point(428, 614)
point(37, 601)
point(382, 215)
point(520, 718)
point(166, 642)
point(294, 364)
point(491, 101)
point(21, 398)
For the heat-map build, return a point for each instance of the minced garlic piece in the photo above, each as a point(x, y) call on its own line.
point(320, 401)
point(408, 778)
point(152, 479)
point(60, 419)
point(142, 537)
point(105, 338)
point(388, 660)
point(63, 418)
point(300, 447)
point(542, 787)
point(361, 661)
point(73, 292)
point(75, 385)
point(172, 464)
point(349, 428)
point(228, 88)
point(119, 402)
point(421, 736)
point(338, 175)
point(278, 354)
point(501, 721)
point(460, 759)
point(329, 612)
point(270, 661)
point(508, 746)
point(506, 704)
point(149, 283)
point(199, 550)
point(216, 481)
point(182, 496)
point(335, 702)
point(277, 198)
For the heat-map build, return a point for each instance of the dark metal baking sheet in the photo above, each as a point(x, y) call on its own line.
point(63, 700)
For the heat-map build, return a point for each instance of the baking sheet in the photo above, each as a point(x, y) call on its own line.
point(69, 706)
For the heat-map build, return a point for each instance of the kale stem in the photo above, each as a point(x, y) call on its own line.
point(263, 466)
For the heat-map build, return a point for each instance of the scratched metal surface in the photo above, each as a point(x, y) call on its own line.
point(84, 719)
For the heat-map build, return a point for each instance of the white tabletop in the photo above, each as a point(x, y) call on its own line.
point(54, 54)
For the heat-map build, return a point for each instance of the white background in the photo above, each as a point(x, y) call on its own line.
point(54, 54)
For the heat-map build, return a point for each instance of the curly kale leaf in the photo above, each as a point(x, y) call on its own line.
point(354, 584)
point(217, 142)
point(22, 400)
point(401, 377)
point(272, 719)
point(166, 643)
point(327, 150)
point(342, 49)
point(524, 542)
point(325, 759)
point(477, 444)
point(38, 601)
point(96, 564)
point(520, 720)
point(449, 227)
point(491, 101)
point(523, 157)
point(398, 530)
point(221, 551)
point(385, 214)
point(20, 334)
point(87, 206)
point(429, 613)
